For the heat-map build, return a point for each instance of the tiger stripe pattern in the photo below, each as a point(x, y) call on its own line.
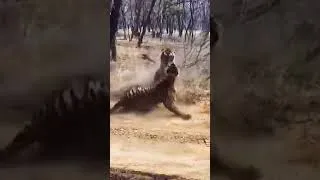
point(63, 120)
point(145, 99)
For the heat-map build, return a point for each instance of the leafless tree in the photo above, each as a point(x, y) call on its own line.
point(124, 23)
point(10, 22)
point(114, 17)
point(146, 23)
point(166, 17)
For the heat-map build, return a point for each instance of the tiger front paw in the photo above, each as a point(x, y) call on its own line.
point(186, 116)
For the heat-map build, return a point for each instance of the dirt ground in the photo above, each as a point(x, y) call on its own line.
point(162, 144)
point(159, 144)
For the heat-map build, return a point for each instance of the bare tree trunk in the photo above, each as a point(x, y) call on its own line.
point(147, 21)
point(131, 21)
point(180, 26)
point(171, 26)
point(136, 25)
point(167, 25)
point(124, 24)
point(192, 19)
point(160, 25)
point(189, 28)
point(114, 18)
point(186, 30)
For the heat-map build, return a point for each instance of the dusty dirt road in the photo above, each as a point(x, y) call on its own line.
point(160, 143)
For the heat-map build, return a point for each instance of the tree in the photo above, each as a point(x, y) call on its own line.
point(165, 17)
point(146, 23)
point(114, 18)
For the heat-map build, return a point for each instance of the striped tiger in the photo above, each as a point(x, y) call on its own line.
point(144, 99)
point(69, 117)
point(167, 57)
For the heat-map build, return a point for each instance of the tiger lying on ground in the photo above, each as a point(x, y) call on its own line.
point(69, 118)
point(144, 99)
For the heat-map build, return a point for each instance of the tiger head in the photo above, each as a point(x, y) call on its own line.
point(167, 57)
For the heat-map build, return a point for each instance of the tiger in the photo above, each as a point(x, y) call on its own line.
point(144, 99)
point(68, 118)
point(167, 57)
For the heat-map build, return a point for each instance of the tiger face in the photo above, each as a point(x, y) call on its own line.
point(167, 57)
